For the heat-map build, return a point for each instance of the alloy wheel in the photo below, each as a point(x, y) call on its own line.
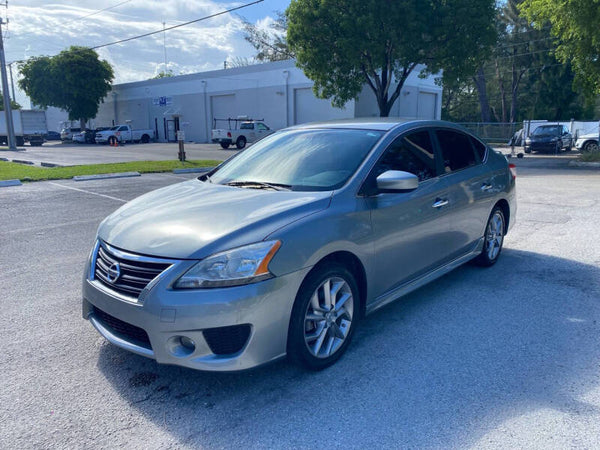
point(494, 235)
point(328, 317)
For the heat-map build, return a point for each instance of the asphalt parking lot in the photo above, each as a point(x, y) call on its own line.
point(504, 357)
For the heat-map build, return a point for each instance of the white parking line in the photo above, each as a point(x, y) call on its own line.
point(89, 192)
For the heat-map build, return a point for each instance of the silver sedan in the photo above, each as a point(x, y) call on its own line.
point(282, 249)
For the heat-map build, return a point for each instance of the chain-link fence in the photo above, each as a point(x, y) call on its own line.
point(493, 133)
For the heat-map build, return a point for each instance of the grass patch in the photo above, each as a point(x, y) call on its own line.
point(590, 157)
point(11, 171)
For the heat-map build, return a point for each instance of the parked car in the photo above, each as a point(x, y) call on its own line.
point(124, 133)
point(66, 134)
point(285, 246)
point(549, 138)
point(587, 143)
point(52, 136)
point(85, 137)
point(248, 131)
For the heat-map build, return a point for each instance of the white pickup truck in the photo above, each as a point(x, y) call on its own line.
point(240, 133)
point(123, 133)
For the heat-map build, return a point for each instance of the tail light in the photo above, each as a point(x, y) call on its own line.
point(228, 134)
point(513, 170)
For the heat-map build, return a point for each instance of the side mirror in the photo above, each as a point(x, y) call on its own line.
point(397, 180)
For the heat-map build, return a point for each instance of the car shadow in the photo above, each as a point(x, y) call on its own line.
point(442, 367)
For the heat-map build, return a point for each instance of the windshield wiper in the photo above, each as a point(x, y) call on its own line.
point(260, 185)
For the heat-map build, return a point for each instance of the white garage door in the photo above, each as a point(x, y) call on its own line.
point(308, 108)
point(426, 105)
point(223, 107)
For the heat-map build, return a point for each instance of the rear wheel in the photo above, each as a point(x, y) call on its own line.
point(145, 139)
point(324, 317)
point(241, 142)
point(224, 145)
point(494, 238)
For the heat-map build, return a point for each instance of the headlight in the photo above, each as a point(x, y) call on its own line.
point(235, 267)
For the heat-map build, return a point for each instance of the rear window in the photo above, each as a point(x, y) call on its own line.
point(479, 148)
point(457, 151)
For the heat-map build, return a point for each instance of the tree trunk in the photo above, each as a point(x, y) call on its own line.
point(484, 104)
point(82, 124)
point(502, 92)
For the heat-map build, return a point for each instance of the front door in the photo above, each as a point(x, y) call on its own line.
point(171, 131)
point(410, 232)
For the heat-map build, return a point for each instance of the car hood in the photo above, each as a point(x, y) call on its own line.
point(194, 219)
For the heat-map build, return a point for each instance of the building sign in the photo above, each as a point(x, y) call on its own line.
point(162, 101)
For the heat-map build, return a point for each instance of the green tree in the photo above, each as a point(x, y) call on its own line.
point(575, 24)
point(75, 80)
point(163, 74)
point(343, 44)
point(13, 104)
point(270, 44)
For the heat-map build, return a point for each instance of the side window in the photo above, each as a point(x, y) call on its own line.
point(261, 126)
point(479, 148)
point(457, 152)
point(123, 128)
point(412, 152)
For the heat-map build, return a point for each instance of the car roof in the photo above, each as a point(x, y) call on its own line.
point(377, 124)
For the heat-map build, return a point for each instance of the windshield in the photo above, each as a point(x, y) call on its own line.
point(305, 160)
point(545, 131)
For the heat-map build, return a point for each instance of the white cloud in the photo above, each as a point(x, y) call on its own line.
point(42, 28)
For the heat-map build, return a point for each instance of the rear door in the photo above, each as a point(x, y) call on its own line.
point(469, 186)
point(410, 232)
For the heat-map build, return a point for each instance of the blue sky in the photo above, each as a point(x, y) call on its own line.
point(42, 27)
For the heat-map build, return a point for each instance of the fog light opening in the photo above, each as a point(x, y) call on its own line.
point(181, 346)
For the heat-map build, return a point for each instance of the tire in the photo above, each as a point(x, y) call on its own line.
point(317, 344)
point(589, 147)
point(527, 150)
point(145, 139)
point(495, 230)
point(20, 141)
point(241, 142)
point(112, 140)
point(224, 145)
point(35, 144)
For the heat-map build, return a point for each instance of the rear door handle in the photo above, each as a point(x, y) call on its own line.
point(486, 187)
point(439, 203)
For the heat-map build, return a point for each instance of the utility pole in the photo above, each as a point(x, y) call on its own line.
point(10, 129)
point(12, 81)
point(165, 46)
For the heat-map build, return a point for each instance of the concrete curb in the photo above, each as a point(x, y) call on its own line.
point(584, 164)
point(45, 164)
point(7, 183)
point(21, 161)
point(193, 170)
point(4, 159)
point(106, 176)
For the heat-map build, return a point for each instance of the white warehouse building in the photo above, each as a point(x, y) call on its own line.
point(277, 92)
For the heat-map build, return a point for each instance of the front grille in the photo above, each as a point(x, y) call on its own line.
point(227, 340)
point(123, 329)
point(133, 275)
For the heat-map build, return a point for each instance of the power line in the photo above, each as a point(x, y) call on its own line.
point(176, 26)
point(105, 9)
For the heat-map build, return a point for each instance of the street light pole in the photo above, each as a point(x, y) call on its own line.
point(10, 129)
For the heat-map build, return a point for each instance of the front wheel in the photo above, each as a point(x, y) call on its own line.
point(494, 238)
point(591, 146)
point(145, 139)
point(324, 317)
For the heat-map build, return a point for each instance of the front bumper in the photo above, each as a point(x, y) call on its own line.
point(167, 315)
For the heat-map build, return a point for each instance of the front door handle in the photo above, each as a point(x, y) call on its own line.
point(486, 187)
point(439, 203)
